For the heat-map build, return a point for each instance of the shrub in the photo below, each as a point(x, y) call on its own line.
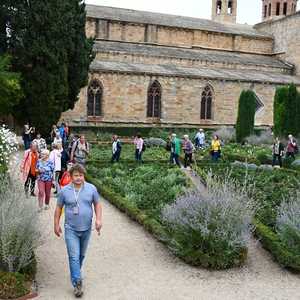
point(265, 138)
point(226, 134)
point(246, 112)
point(155, 142)
point(212, 230)
point(19, 229)
point(8, 145)
point(288, 223)
point(13, 285)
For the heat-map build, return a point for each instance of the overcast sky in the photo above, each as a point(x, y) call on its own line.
point(248, 11)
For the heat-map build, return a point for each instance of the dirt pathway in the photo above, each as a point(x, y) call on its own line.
point(126, 262)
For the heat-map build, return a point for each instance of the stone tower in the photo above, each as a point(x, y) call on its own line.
point(274, 9)
point(224, 11)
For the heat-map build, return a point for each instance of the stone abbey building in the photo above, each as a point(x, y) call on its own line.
point(156, 69)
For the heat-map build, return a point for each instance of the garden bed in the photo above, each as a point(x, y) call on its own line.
point(269, 190)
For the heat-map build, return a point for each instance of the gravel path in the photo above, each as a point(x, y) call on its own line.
point(126, 262)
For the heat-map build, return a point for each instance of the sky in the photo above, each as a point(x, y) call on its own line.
point(249, 11)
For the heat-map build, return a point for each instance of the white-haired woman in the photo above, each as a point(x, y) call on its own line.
point(188, 151)
point(45, 169)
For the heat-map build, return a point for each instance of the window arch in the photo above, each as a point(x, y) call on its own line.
point(94, 101)
point(206, 103)
point(154, 100)
point(219, 7)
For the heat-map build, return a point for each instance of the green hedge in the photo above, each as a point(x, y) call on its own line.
point(17, 284)
point(271, 242)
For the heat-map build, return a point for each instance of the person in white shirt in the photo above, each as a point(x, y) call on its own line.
point(200, 139)
point(116, 149)
point(55, 157)
point(57, 139)
point(40, 142)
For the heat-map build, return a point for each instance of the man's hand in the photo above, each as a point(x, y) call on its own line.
point(98, 226)
point(57, 230)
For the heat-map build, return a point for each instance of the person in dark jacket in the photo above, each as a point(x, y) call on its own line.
point(278, 152)
point(116, 149)
point(188, 151)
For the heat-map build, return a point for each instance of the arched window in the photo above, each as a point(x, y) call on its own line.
point(219, 7)
point(277, 8)
point(154, 100)
point(285, 7)
point(94, 103)
point(206, 103)
point(270, 9)
point(230, 8)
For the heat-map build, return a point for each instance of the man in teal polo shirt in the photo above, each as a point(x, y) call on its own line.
point(78, 198)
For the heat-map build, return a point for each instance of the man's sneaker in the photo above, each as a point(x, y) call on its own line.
point(78, 289)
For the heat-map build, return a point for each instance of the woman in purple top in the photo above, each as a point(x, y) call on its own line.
point(45, 171)
point(188, 151)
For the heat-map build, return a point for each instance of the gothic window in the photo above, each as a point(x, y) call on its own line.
point(270, 9)
point(206, 103)
point(229, 9)
point(265, 11)
point(258, 104)
point(285, 8)
point(94, 103)
point(219, 7)
point(154, 100)
point(277, 8)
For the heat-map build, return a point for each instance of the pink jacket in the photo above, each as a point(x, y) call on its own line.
point(138, 143)
point(25, 165)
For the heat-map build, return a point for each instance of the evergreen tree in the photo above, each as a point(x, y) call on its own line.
point(51, 51)
point(287, 111)
point(246, 114)
point(10, 89)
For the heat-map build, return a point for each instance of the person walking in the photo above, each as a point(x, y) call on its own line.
point(45, 169)
point(54, 132)
point(291, 148)
point(215, 148)
point(278, 151)
point(28, 169)
point(116, 149)
point(139, 147)
point(188, 148)
point(55, 157)
point(57, 139)
point(26, 136)
point(200, 139)
point(80, 151)
point(175, 150)
point(78, 199)
point(40, 142)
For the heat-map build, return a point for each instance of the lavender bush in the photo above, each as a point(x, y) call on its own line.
point(288, 223)
point(212, 230)
point(19, 229)
point(226, 134)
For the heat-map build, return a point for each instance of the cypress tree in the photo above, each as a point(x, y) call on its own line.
point(246, 114)
point(279, 110)
point(52, 53)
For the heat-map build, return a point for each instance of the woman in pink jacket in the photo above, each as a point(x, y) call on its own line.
point(139, 147)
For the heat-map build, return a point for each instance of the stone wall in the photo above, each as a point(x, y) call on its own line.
point(171, 36)
point(286, 34)
point(125, 101)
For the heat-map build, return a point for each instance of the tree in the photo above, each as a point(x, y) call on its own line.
point(287, 111)
point(10, 89)
point(49, 48)
point(246, 114)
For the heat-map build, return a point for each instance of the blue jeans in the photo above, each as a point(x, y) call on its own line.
point(138, 155)
point(174, 158)
point(77, 243)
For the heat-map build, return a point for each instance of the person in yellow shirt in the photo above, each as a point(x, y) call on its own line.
point(215, 148)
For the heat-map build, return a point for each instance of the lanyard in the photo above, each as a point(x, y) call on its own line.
point(76, 195)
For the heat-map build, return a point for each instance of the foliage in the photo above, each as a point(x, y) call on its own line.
point(246, 112)
point(13, 285)
point(8, 145)
point(49, 48)
point(264, 138)
point(288, 223)
point(138, 183)
point(226, 134)
point(10, 89)
point(212, 230)
point(19, 228)
point(287, 111)
point(155, 142)
point(153, 154)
